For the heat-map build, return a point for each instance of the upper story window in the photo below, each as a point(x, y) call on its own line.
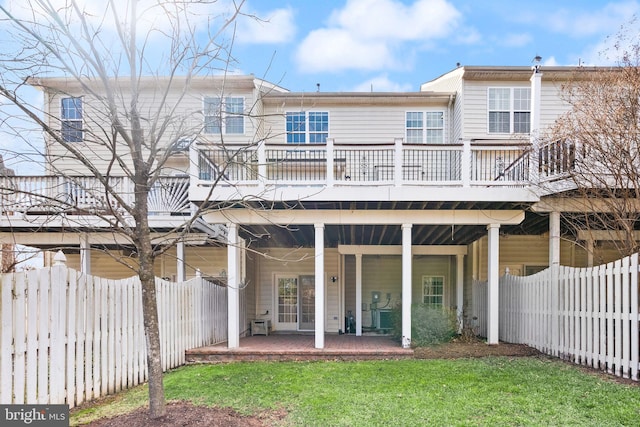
point(71, 117)
point(224, 115)
point(425, 127)
point(310, 127)
point(509, 110)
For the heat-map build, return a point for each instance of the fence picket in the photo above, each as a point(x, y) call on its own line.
point(596, 322)
point(635, 345)
point(69, 337)
point(71, 315)
point(625, 355)
point(19, 338)
point(32, 336)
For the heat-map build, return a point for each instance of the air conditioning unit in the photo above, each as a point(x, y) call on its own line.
point(383, 319)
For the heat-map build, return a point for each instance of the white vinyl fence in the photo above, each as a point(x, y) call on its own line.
point(67, 337)
point(590, 317)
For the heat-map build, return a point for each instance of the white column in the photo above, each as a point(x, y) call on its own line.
point(493, 295)
point(180, 265)
point(85, 254)
point(233, 294)
point(406, 285)
point(554, 265)
point(460, 290)
point(319, 285)
point(358, 295)
point(536, 108)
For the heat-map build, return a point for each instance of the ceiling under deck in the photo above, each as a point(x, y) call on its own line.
point(356, 234)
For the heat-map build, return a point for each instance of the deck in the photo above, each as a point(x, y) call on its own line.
point(301, 348)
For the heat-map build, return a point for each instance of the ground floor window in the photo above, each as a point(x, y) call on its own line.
point(433, 290)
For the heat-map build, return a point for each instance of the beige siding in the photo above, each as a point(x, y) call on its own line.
point(286, 261)
point(383, 273)
point(518, 252)
point(188, 115)
point(475, 113)
point(552, 105)
point(353, 124)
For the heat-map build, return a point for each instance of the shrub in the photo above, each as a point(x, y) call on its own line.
point(429, 325)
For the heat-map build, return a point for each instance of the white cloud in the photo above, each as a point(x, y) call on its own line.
point(336, 49)
point(277, 26)
point(382, 83)
point(375, 34)
point(392, 19)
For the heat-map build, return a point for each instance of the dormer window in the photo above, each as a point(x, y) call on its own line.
point(71, 118)
point(509, 110)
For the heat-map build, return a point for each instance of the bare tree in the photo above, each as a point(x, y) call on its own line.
point(598, 144)
point(112, 52)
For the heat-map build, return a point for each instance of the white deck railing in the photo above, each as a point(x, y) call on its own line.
point(45, 194)
point(331, 164)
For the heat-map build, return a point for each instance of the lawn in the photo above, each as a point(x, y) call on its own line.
point(486, 391)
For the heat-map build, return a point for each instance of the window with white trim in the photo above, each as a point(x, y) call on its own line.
point(425, 127)
point(71, 118)
point(433, 290)
point(307, 127)
point(509, 109)
point(224, 115)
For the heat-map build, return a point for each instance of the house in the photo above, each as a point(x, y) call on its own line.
point(333, 205)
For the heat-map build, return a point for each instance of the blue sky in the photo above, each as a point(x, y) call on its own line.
point(394, 45)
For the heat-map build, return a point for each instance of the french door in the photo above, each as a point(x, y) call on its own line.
point(295, 302)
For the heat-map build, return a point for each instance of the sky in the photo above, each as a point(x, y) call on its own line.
point(395, 45)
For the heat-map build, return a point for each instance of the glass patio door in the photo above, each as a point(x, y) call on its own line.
point(295, 302)
point(307, 306)
point(286, 303)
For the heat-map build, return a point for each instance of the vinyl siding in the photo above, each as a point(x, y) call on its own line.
point(475, 112)
point(189, 116)
point(383, 273)
point(287, 261)
point(353, 124)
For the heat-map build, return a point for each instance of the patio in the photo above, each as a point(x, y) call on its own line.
point(301, 348)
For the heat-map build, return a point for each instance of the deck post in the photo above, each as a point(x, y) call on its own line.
point(330, 163)
point(319, 315)
point(406, 285)
point(180, 264)
point(262, 164)
point(554, 265)
point(460, 290)
point(358, 295)
point(233, 294)
point(398, 160)
point(493, 294)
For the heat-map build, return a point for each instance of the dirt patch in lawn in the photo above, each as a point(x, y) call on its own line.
point(188, 415)
point(473, 348)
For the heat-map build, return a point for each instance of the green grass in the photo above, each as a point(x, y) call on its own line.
point(488, 391)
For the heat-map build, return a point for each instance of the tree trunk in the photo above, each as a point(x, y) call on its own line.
point(152, 333)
